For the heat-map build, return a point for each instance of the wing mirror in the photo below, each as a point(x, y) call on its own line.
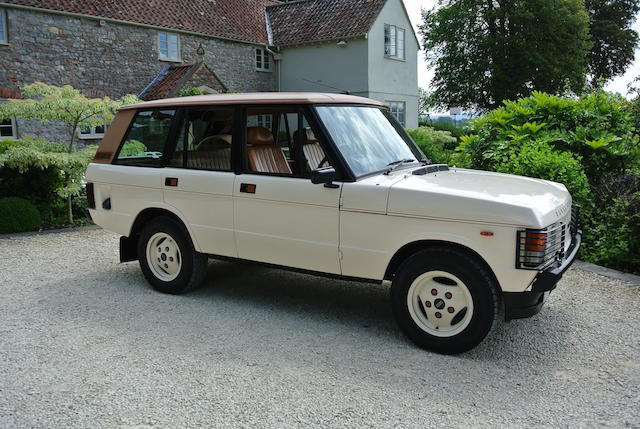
point(324, 175)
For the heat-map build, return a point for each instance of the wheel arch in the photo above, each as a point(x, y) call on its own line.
point(150, 213)
point(414, 247)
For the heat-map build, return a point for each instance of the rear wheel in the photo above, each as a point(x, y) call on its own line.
point(167, 257)
point(444, 300)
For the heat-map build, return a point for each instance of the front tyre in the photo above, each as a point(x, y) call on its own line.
point(444, 300)
point(167, 257)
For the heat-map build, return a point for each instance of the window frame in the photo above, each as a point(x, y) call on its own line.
point(262, 53)
point(171, 137)
point(404, 111)
point(161, 57)
point(182, 114)
point(14, 130)
point(92, 135)
point(4, 34)
point(396, 30)
point(327, 145)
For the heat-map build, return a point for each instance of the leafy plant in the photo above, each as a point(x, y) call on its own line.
point(18, 215)
point(436, 145)
point(133, 148)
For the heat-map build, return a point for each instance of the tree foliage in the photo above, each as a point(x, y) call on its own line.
point(487, 51)
point(48, 103)
point(614, 41)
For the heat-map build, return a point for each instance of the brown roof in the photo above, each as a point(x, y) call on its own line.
point(318, 20)
point(257, 98)
point(166, 82)
point(232, 19)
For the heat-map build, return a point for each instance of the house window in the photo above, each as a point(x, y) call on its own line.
point(92, 132)
point(4, 36)
point(263, 62)
point(393, 42)
point(397, 109)
point(169, 46)
point(8, 129)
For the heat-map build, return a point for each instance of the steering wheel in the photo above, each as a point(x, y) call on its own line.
point(324, 160)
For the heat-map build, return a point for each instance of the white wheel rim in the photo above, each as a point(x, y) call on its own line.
point(163, 256)
point(440, 303)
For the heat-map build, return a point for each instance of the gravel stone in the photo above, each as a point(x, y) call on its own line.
point(85, 342)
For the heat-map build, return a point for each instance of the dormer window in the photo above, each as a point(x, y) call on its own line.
point(393, 42)
point(168, 47)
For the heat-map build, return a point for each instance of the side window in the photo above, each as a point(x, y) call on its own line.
point(146, 139)
point(4, 36)
point(283, 144)
point(205, 140)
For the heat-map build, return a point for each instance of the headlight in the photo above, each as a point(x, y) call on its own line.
point(536, 249)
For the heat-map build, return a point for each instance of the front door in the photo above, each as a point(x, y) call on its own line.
point(280, 216)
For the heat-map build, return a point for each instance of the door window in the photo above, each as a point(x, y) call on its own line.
point(205, 140)
point(146, 139)
point(280, 141)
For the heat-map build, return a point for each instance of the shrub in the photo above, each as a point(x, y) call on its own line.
point(614, 235)
point(44, 172)
point(456, 130)
point(434, 143)
point(18, 215)
point(542, 161)
point(133, 148)
point(595, 128)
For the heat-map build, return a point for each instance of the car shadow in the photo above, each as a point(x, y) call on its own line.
point(283, 298)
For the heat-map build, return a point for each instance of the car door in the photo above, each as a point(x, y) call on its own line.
point(198, 178)
point(280, 216)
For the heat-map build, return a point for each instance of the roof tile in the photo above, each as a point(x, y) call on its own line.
point(233, 19)
point(319, 20)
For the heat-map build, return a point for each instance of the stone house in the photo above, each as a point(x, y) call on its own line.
point(117, 47)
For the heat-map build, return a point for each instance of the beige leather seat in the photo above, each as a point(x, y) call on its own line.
point(312, 150)
point(263, 154)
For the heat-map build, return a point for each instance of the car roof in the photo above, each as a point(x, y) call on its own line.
point(256, 98)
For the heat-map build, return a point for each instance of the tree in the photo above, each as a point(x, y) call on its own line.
point(426, 102)
point(48, 103)
point(614, 41)
point(487, 51)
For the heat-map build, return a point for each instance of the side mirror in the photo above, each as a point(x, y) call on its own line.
point(324, 175)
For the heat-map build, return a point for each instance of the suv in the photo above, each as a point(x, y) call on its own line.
point(332, 185)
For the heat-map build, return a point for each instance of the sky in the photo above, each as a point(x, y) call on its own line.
point(424, 75)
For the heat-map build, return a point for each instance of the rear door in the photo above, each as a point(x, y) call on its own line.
point(198, 178)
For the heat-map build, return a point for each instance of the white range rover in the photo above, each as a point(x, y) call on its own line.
point(332, 185)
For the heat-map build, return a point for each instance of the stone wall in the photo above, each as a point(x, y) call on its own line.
point(110, 59)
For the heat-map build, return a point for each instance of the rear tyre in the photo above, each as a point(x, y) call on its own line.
point(168, 259)
point(444, 300)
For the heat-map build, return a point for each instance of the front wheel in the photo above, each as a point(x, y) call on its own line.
point(167, 257)
point(444, 300)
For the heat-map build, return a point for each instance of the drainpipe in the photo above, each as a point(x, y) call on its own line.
point(277, 57)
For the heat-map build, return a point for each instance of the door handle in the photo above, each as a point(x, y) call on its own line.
point(171, 181)
point(248, 188)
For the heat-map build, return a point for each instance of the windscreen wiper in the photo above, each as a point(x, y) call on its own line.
point(392, 166)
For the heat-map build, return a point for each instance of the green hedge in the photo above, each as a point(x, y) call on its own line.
point(18, 215)
point(436, 145)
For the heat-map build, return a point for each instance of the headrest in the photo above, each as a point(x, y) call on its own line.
point(309, 137)
point(259, 136)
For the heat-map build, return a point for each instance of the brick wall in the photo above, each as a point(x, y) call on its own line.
point(110, 59)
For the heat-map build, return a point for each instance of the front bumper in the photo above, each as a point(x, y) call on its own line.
point(518, 305)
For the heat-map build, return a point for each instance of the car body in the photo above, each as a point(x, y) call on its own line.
point(329, 184)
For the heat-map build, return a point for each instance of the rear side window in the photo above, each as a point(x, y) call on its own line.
point(145, 142)
point(205, 140)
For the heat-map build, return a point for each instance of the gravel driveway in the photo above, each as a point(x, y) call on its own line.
point(84, 342)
